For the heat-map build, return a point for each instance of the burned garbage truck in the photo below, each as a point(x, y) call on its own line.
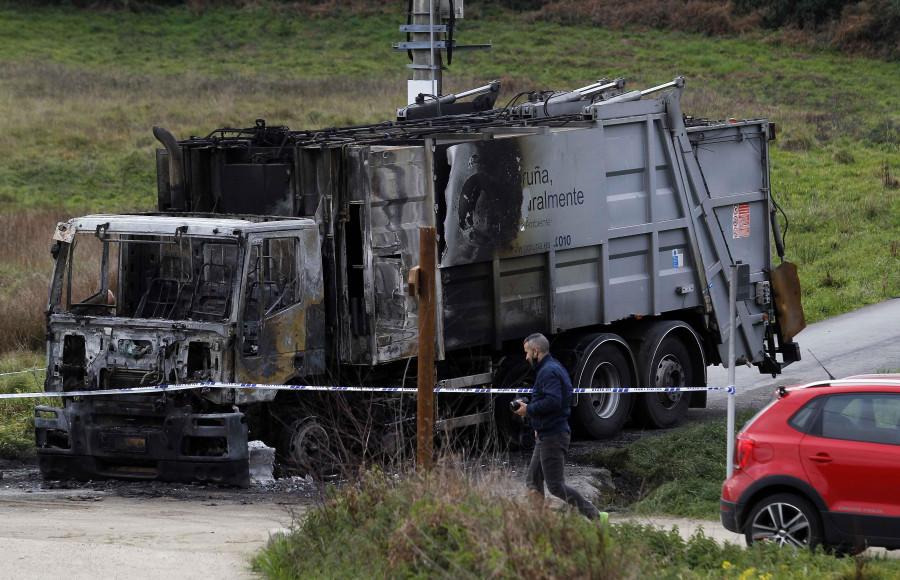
point(604, 218)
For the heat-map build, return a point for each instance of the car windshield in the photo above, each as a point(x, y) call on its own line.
point(142, 276)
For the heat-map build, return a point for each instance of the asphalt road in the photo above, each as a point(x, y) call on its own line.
point(120, 530)
point(860, 342)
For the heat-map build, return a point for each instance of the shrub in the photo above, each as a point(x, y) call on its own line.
point(799, 13)
point(441, 523)
point(447, 524)
point(871, 28)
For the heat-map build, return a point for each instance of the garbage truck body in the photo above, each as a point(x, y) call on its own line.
point(282, 257)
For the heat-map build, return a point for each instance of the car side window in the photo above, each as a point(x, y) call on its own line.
point(866, 417)
point(804, 420)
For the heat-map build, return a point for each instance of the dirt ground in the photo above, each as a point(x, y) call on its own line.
point(138, 530)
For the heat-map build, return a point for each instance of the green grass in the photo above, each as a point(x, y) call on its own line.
point(678, 473)
point(81, 90)
point(17, 415)
point(445, 524)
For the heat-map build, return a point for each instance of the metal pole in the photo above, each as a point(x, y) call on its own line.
point(732, 310)
point(431, 57)
point(431, 38)
point(425, 398)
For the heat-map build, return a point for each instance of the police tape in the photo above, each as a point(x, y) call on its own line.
point(21, 372)
point(265, 387)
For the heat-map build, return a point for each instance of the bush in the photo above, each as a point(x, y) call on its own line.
point(437, 524)
point(799, 13)
point(444, 524)
point(870, 28)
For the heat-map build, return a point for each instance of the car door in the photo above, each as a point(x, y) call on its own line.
point(853, 460)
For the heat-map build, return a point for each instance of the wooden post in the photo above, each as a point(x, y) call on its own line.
point(425, 385)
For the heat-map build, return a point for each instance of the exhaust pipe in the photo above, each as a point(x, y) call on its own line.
point(176, 173)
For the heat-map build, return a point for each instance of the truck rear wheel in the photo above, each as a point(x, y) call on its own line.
point(603, 366)
point(669, 368)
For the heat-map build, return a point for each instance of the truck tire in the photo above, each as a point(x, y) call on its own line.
point(513, 432)
point(603, 365)
point(670, 367)
point(305, 448)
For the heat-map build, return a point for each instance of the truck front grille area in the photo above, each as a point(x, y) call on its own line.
point(134, 439)
point(128, 379)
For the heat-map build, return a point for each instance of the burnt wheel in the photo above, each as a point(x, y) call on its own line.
point(785, 519)
point(513, 432)
point(669, 368)
point(305, 447)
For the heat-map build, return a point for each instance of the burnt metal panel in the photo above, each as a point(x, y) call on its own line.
point(468, 307)
point(514, 196)
point(264, 189)
point(399, 204)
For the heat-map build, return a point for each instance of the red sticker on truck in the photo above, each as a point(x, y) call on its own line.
point(740, 220)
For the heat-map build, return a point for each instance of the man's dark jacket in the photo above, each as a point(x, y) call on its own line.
point(551, 401)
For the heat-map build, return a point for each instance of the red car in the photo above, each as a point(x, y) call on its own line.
point(820, 465)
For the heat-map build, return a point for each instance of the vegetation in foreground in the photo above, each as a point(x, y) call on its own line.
point(446, 524)
point(17, 415)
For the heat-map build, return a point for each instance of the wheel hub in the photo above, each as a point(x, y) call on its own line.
point(605, 404)
point(783, 524)
point(669, 375)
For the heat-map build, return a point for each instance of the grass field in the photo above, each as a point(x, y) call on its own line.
point(82, 89)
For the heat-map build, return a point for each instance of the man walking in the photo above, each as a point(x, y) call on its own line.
point(549, 412)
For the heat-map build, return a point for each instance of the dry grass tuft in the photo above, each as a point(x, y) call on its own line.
point(709, 17)
point(888, 180)
point(25, 270)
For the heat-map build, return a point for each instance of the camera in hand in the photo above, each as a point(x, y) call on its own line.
point(514, 405)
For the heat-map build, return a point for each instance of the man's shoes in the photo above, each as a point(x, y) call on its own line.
point(599, 517)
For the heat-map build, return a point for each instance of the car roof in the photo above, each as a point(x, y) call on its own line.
point(879, 382)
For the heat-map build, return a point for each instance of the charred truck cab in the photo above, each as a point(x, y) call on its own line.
point(142, 300)
point(604, 218)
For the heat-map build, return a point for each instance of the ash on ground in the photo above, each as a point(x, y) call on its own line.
point(26, 476)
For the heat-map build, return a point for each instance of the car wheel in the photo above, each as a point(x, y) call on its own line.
point(785, 519)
